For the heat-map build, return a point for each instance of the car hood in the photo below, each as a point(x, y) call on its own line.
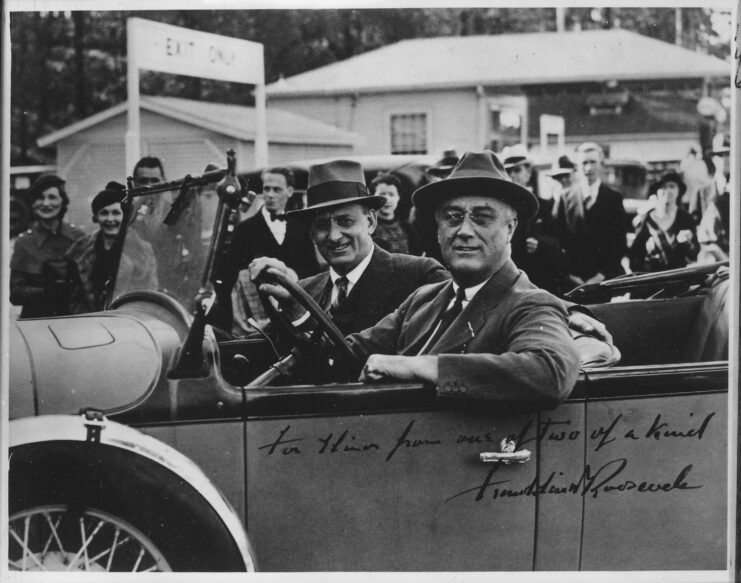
point(59, 365)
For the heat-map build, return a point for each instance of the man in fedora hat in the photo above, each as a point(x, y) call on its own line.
point(488, 333)
point(364, 282)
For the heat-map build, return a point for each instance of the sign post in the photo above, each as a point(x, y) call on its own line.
point(172, 49)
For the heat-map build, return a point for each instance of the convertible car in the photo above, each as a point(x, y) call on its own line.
point(143, 439)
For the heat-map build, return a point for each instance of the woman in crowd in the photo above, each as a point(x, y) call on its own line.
point(93, 256)
point(38, 272)
point(666, 236)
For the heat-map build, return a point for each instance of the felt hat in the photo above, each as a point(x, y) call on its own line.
point(444, 165)
point(481, 174)
point(336, 183)
point(674, 177)
point(514, 156)
point(563, 167)
point(106, 197)
point(44, 182)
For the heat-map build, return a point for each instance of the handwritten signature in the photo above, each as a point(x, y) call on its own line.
point(602, 480)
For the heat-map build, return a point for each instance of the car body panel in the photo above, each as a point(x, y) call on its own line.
point(661, 467)
point(385, 492)
point(65, 351)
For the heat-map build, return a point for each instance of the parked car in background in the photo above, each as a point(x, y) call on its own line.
point(141, 441)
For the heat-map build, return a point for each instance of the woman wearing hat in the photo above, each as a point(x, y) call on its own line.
point(38, 277)
point(93, 256)
point(666, 238)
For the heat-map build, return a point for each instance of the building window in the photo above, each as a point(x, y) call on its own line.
point(409, 133)
point(505, 128)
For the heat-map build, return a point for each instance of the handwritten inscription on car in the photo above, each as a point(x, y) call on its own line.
point(605, 477)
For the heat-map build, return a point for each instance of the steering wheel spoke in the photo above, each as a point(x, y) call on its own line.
point(323, 341)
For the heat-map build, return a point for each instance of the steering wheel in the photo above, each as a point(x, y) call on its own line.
point(324, 326)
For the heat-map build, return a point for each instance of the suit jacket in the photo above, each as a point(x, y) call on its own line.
point(594, 242)
point(388, 280)
point(252, 238)
point(511, 342)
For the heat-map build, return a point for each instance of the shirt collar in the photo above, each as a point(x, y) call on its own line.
point(354, 275)
point(470, 291)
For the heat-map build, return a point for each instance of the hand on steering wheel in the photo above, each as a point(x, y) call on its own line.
point(271, 277)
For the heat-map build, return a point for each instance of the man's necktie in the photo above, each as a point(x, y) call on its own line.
point(341, 285)
point(277, 217)
point(446, 318)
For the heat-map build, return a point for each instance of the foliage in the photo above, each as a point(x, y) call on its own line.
point(67, 66)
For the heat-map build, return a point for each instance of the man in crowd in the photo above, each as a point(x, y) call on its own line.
point(392, 233)
point(266, 234)
point(591, 223)
point(535, 248)
point(529, 325)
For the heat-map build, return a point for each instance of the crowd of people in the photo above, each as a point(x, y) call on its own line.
point(578, 236)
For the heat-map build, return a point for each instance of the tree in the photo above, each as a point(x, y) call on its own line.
point(66, 66)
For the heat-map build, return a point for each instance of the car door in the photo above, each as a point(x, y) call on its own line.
point(654, 484)
point(383, 478)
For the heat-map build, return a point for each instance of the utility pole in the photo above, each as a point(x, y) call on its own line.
point(678, 27)
point(560, 19)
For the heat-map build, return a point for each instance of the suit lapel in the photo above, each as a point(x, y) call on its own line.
point(425, 317)
point(470, 321)
point(372, 286)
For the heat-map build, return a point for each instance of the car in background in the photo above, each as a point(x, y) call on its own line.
point(131, 448)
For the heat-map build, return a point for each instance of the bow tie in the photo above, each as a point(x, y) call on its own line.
point(277, 217)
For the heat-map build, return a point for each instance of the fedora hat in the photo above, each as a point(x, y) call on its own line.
point(481, 174)
point(514, 156)
point(563, 167)
point(444, 165)
point(336, 183)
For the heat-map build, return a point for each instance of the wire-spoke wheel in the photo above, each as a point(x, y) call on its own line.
point(60, 538)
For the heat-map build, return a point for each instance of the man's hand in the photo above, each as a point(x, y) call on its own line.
point(585, 324)
point(293, 309)
point(380, 367)
point(531, 245)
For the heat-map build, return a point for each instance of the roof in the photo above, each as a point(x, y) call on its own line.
point(237, 121)
point(507, 59)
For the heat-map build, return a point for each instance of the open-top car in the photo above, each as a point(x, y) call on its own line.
point(141, 439)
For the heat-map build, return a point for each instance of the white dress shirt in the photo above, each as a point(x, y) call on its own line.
point(591, 193)
point(277, 228)
point(352, 277)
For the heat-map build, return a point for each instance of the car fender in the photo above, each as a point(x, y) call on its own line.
point(92, 436)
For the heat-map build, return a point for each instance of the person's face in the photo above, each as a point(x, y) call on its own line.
point(474, 234)
point(392, 200)
point(520, 174)
point(565, 180)
point(49, 204)
point(109, 219)
point(667, 195)
point(591, 165)
point(276, 192)
point(145, 176)
point(343, 235)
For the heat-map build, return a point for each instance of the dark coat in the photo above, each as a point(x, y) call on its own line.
point(596, 243)
point(252, 238)
point(511, 342)
point(388, 280)
point(38, 274)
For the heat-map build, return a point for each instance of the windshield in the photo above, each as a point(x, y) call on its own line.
point(167, 258)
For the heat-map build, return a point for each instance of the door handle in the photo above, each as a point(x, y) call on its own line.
point(507, 455)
